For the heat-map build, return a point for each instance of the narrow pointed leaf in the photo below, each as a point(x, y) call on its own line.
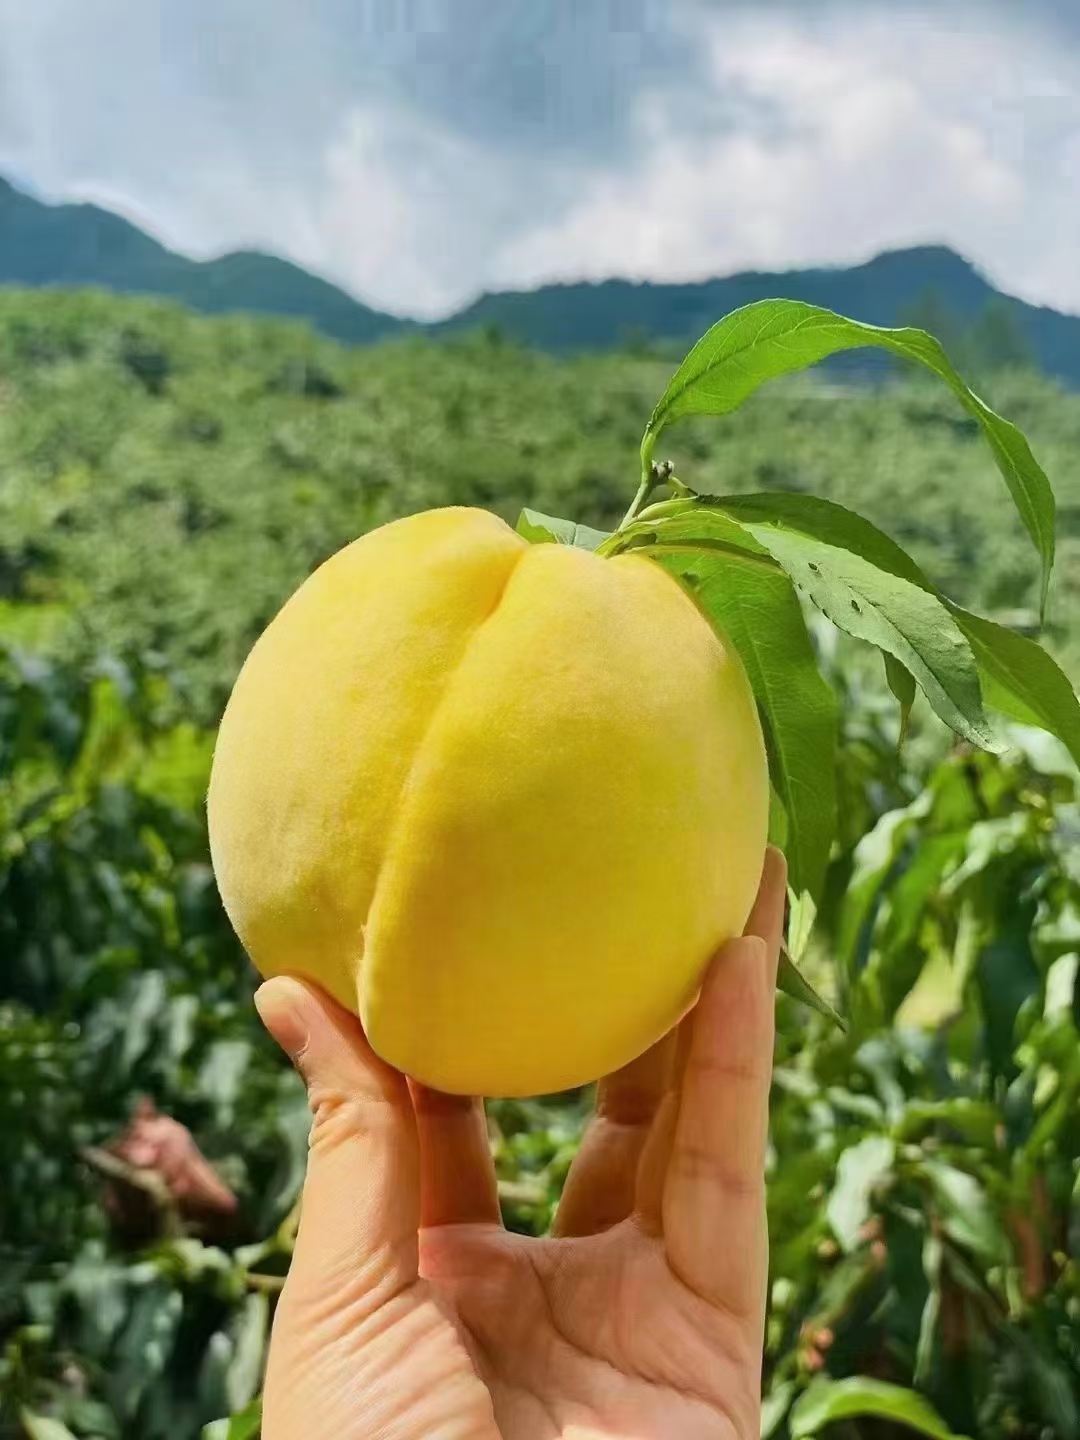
point(691, 522)
point(802, 912)
point(902, 684)
point(862, 1167)
point(899, 617)
point(929, 1321)
point(827, 1402)
point(1021, 680)
point(823, 520)
point(550, 530)
point(1017, 676)
point(243, 1426)
point(249, 1343)
point(778, 821)
point(776, 337)
point(42, 1427)
point(965, 1212)
point(774, 1407)
point(791, 980)
point(753, 605)
point(833, 556)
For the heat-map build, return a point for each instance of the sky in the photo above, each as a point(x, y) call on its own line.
point(418, 152)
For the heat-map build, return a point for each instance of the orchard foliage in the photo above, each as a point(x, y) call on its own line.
point(923, 1172)
point(164, 482)
point(121, 979)
point(924, 1198)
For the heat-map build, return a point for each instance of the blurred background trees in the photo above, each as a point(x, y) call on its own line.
point(165, 481)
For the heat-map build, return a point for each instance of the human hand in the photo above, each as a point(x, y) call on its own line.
point(410, 1313)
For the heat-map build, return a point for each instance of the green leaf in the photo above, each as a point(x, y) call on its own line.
point(248, 1339)
point(976, 1121)
point(221, 1076)
point(898, 958)
point(1017, 676)
point(244, 1426)
point(1007, 977)
point(753, 605)
point(890, 612)
point(146, 1345)
point(850, 1102)
point(702, 524)
point(549, 530)
point(91, 1418)
point(858, 1171)
point(775, 1406)
point(41, 1427)
point(146, 1002)
point(292, 1126)
point(790, 979)
point(931, 1314)
point(1051, 1383)
point(802, 912)
point(1057, 1397)
point(778, 821)
point(856, 576)
point(966, 1214)
point(827, 1401)
point(1021, 680)
point(902, 684)
point(98, 1292)
point(775, 337)
point(823, 520)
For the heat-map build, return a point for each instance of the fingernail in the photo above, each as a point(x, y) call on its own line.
point(280, 1003)
point(753, 952)
point(775, 863)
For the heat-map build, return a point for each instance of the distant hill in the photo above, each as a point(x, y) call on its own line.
point(929, 285)
point(877, 292)
point(74, 245)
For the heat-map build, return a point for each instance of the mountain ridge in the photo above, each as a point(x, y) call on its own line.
point(81, 244)
point(44, 244)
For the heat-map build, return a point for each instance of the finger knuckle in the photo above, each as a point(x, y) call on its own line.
point(700, 1164)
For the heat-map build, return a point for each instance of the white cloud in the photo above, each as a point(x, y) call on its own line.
point(409, 212)
point(876, 130)
point(888, 134)
point(409, 171)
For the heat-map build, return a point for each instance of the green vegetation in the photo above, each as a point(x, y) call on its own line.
point(165, 481)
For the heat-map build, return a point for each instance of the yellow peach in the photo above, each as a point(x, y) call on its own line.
point(503, 801)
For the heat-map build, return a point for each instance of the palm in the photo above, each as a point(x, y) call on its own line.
point(410, 1313)
point(594, 1336)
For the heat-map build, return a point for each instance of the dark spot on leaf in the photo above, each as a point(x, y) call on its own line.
point(813, 567)
point(691, 578)
point(856, 607)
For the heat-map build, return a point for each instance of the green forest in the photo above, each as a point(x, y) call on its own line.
point(166, 480)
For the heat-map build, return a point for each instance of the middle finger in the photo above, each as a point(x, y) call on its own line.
point(599, 1190)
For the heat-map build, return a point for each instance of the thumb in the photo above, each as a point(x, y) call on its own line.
point(357, 1243)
